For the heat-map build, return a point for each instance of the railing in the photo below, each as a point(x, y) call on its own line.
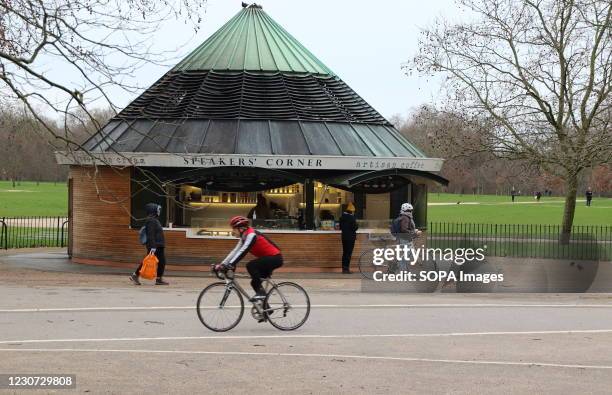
point(533, 241)
point(529, 241)
point(29, 232)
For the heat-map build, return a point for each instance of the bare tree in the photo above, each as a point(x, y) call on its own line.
point(100, 45)
point(601, 179)
point(538, 73)
point(12, 141)
point(102, 42)
point(442, 134)
point(25, 152)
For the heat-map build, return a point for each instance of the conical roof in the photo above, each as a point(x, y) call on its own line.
point(252, 41)
point(253, 89)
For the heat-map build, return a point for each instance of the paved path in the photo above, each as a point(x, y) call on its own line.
point(119, 338)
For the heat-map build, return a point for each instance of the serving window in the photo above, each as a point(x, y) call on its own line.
point(276, 208)
point(205, 199)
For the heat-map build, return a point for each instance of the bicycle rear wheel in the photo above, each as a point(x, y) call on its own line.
point(287, 306)
point(367, 266)
point(220, 307)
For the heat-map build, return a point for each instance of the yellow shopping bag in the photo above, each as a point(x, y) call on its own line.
point(149, 266)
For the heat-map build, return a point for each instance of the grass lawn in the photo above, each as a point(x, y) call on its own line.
point(492, 209)
point(29, 237)
point(48, 199)
point(29, 199)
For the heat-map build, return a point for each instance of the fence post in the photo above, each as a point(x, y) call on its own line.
point(63, 227)
point(4, 233)
point(57, 232)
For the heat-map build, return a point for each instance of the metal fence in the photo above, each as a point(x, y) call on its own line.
point(29, 232)
point(532, 241)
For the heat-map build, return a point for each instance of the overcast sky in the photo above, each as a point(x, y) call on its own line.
point(364, 42)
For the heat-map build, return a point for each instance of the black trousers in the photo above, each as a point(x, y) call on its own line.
point(161, 265)
point(262, 268)
point(588, 202)
point(347, 251)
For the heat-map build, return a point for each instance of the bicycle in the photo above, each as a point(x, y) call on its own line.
point(366, 264)
point(385, 241)
point(220, 306)
point(416, 267)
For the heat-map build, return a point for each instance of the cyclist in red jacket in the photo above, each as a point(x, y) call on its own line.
point(268, 255)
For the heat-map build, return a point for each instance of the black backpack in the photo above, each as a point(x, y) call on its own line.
point(142, 235)
point(396, 226)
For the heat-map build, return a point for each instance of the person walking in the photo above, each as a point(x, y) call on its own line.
point(405, 231)
point(348, 226)
point(155, 243)
point(513, 194)
point(589, 197)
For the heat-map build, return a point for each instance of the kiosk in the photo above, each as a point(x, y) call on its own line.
point(250, 123)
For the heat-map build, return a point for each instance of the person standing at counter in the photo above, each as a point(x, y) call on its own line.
point(261, 210)
point(348, 226)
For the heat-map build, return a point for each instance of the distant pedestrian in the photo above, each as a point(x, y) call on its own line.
point(538, 195)
point(155, 243)
point(513, 194)
point(589, 197)
point(348, 226)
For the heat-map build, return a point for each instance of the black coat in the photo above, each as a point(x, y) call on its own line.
point(155, 233)
point(348, 226)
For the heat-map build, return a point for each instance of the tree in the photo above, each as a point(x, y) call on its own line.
point(442, 134)
point(102, 42)
point(601, 179)
point(538, 73)
point(25, 150)
point(12, 122)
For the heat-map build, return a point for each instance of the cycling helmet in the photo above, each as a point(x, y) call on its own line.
point(239, 221)
point(406, 207)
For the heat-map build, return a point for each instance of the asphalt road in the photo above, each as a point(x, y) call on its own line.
point(122, 339)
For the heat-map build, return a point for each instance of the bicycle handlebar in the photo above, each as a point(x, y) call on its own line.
point(226, 274)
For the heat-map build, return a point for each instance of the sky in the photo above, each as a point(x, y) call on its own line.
point(363, 42)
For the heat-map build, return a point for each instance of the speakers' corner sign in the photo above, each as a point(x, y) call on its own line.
point(262, 161)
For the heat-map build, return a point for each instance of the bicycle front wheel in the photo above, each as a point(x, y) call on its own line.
point(220, 307)
point(287, 306)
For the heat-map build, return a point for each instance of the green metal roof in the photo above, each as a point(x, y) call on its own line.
point(252, 41)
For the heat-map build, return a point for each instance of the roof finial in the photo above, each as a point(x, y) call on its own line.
point(246, 5)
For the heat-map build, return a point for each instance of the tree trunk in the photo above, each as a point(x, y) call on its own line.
point(569, 208)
